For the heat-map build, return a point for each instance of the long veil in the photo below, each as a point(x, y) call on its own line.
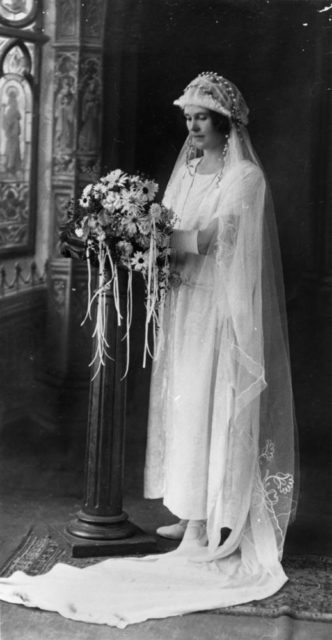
point(253, 401)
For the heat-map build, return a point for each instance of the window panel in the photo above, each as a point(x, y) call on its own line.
point(19, 64)
point(17, 12)
point(15, 149)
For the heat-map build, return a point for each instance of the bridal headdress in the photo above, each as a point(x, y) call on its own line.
point(214, 92)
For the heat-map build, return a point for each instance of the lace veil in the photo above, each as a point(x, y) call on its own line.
point(253, 402)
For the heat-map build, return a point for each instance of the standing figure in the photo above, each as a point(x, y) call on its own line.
point(12, 129)
point(64, 111)
point(89, 133)
point(221, 435)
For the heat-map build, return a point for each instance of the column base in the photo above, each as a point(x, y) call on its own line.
point(138, 543)
point(101, 527)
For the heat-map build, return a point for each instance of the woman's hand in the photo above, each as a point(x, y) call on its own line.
point(184, 241)
point(206, 239)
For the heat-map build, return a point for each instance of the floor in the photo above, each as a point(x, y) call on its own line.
point(41, 479)
point(40, 483)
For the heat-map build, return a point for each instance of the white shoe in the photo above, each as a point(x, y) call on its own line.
point(173, 531)
point(194, 540)
point(195, 533)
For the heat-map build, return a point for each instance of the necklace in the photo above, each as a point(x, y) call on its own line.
point(217, 175)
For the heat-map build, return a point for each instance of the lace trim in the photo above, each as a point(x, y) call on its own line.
point(271, 489)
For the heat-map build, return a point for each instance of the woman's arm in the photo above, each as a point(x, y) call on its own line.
point(194, 241)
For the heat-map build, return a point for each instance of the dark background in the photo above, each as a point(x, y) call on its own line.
point(158, 46)
point(277, 53)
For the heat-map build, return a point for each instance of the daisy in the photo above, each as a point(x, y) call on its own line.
point(140, 260)
point(99, 190)
point(109, 202)
point(85, 201)
point(114, 177)
point(131, 202)
point(150, 188)
point(87, 191)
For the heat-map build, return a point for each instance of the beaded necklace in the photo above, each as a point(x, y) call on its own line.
point(218, 174)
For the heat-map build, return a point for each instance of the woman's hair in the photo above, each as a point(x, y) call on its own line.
point(220, 122)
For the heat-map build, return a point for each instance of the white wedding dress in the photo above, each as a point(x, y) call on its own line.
point(220, 443)
point(188, 385)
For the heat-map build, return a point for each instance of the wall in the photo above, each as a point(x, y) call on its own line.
point(22, 328)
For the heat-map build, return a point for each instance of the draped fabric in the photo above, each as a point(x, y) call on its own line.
point(221, 426)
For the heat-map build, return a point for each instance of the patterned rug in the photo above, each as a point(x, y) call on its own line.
point(307, 595)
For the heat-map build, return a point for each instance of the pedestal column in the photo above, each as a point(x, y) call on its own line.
point(101, 526)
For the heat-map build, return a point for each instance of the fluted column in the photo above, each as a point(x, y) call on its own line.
point(101, 526)
point(101, 515)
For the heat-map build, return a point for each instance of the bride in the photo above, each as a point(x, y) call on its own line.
point(220, 446)
point(220, 442)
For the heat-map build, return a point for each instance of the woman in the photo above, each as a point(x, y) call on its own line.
point(220, 444)
point(220, 447)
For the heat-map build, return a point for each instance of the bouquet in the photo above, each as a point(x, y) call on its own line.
point(117, 223)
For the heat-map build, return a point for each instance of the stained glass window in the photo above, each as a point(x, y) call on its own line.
point(18, 12)
point(18, 130)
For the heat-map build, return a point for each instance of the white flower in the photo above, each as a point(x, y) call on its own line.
point(155, 211)
point(131, 202)
point(126, 248)
point(150, 188)
point(114, 177)
point(101, 236)
point(112, 202)
point(130, 227)
point(85, 201)
point(79, 232)
point(109, 202)
point(140, 260)
point(144, 226)
point(92, 223)
point(87, 190)
point(99, 190)
point(135, 180)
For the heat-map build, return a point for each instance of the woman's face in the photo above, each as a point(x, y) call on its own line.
point(203, 132)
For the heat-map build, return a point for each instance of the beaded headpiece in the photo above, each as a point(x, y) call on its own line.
point(214, 92)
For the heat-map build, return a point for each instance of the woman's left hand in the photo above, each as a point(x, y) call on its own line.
point(206, 238)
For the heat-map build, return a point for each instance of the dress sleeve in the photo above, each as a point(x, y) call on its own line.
point(239, 220)
point(238, 252)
